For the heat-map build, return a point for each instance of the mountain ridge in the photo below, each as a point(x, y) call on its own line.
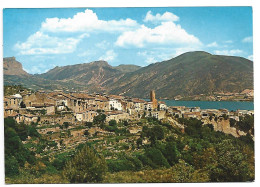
point(188, 74)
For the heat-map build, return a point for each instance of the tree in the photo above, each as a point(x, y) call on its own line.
point(157, 157)
point(126, 123)
point(232, 165)
point(14, 146)
point(246, 123)
point(155, 133)
point(171, 153)
point(89, 124)
point(232, 122)
point(139, 142)
point(99, 119)
point(66, 125)
point(33, 132)
point(86, 133)
point(85, 167)
point(183, 172)
point(112, 123)
point(206, 159)
point(11, 166)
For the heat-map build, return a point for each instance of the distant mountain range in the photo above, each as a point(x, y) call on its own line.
point(189, 74)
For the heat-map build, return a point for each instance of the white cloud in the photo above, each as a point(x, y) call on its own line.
point(87, 53)
point(150, 60)
point(250, 57)
point(86, 21)
point(103, 45)
point(39, 68)
point(181, 50)
point(40, 43)
point(232, 52)
point(166, 33)
point(248, 39)
point(110, 55)
point(161, 54)
point(213, 44)
point(167, 16)
point(142, 53)
point(228, 41)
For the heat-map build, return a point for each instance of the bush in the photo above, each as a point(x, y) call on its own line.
point(126, 123)
point(232, 165)
point(120, 165)
point(157, 157)
point(89, 124)
point(246, 123)
point(85, 167)
point(11, 166)
point(99, 119)
point(146, 161)
point(155, 133)
point(171, 153)
point(112, 123)
point(61, 159)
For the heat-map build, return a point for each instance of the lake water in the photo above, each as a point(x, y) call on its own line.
point(230, 105)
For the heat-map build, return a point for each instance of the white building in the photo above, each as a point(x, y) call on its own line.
point(148, 106)
point(162, 106)
point(115, 104)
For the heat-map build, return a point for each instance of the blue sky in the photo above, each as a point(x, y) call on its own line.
point(44, 38)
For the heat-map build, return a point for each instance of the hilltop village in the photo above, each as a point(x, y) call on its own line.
point(75, 109)
point(53, 125)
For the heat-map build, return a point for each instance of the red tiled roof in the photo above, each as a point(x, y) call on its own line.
point(116, 97)
point(81, 95)
point(101, 99)
point(136, 100)
point(161, 102)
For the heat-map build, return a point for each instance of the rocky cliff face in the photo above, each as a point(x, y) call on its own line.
point(13, 67)
point(220, 125)
point(224, 126)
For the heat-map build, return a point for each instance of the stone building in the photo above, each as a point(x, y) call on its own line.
point(13, 101)
point(86, 115)
point(116, 115)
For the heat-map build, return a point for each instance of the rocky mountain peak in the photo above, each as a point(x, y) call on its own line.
point(13, 67)
point(100, 63)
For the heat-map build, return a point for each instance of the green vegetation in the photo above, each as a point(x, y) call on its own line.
point(85, 167)
point(159, 153)
point(15, 152)
point(14, 89)
point(100, 120)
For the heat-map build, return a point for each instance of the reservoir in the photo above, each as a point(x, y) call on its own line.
point(230, 105)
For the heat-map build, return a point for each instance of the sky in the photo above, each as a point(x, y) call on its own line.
point(43, 38)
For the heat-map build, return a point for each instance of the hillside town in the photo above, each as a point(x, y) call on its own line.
point(52, 109)
point(76, 108)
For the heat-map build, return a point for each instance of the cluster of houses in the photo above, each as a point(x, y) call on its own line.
point(59, 107)
point(198, 113)
point(52, 108)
